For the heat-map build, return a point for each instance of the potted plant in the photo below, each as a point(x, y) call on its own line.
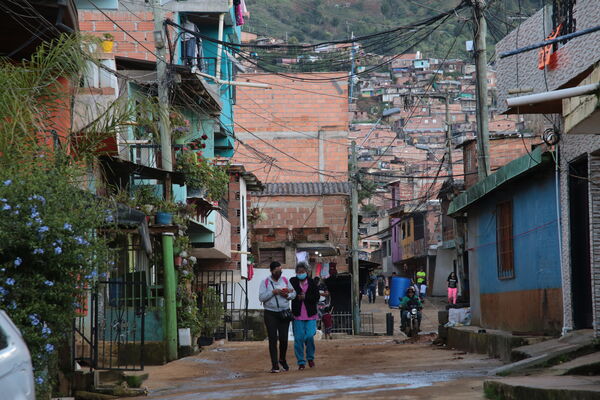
point(164, 215)
point(203, 174)
point(211, 316)
point(108, 41)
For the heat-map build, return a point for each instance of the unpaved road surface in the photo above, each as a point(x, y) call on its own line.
point(358, 368)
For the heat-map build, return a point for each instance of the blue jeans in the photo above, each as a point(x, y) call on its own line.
point(304, 332)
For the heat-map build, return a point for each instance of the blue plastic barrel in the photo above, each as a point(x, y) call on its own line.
point(398, 290)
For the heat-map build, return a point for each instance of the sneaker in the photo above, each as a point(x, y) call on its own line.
point(284, 365)
point(301, 367)
point(275, 370)
point(311, 363)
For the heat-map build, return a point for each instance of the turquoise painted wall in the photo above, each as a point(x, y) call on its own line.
point(536, 247)
point(153, 325)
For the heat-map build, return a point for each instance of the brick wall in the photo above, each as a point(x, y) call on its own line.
point(307, 120)
point(502, 151)
point(292, 212)
point(139, 24)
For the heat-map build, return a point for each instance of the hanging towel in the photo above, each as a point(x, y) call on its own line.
point(250, 271)
point(239, 17)
point(245, 12)
point(318, 269)
point(325, 271)
point(302, 257)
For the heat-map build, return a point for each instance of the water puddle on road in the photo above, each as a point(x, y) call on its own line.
point(316, 388)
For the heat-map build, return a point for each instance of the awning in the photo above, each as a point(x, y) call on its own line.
point(324, 248)
point(120, 167)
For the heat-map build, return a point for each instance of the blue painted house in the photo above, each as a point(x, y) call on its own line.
point(513, 246)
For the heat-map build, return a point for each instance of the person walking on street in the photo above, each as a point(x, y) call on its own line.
point(452, 288)
point(304, 309)
point(275, 293)
point(372, 287)
point(421, 282)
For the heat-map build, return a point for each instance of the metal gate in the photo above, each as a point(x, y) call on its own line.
point(109, 334)
point(223, 284)
point(343, 323)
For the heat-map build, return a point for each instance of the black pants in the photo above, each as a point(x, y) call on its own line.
point(276, 329)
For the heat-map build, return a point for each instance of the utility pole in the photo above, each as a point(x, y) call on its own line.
point(170, 277)
point(163, 89)
point(352, 71)
point(483, 156)
point(448, 134)
point(355, 273)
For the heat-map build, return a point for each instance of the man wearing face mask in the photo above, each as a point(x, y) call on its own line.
point(275, 293)
point(304, 309)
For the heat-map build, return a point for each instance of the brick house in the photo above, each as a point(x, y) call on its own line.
point(302, 217)
point(545, 71)
point(308, 120)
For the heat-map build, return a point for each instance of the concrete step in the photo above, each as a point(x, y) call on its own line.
point(543, 387)
point(575, 339)
point(585, 365)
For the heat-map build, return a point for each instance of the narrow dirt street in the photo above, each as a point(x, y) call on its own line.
point(378, 367)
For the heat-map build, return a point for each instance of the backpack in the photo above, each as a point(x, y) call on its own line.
point(284, 280)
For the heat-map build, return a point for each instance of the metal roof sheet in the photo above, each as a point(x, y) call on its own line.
point(305, 189)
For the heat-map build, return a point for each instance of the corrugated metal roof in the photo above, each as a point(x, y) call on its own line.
point(305, 189)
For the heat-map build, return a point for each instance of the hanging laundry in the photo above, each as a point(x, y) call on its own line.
point(191, 46)
point(250, 271)
point(302, 257)
point(239, 16)
point(318, 269)
point(333, 269)
point(245, 12)
point(325, 271)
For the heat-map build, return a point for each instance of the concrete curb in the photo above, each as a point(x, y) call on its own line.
point(505, 391)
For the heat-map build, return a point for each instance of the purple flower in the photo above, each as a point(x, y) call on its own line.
point(49, 348)
point(46, 331)
point(10, 281)
point(6, 207)
point(57, 250)
point(3, 200)
point(43, 229)
point(18, 261)
point(39, 380)
point(38, 251)
point(68, 227)
point(3, 292)
point(33, 318)
point(12, 305)
point(7, 182)
point(49, 283)
point(81, 240)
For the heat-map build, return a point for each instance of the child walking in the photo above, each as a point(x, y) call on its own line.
point(386, 294)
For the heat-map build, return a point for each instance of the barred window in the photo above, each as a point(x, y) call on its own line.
point(504, 240)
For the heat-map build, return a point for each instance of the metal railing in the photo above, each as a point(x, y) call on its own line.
point(342, 323)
